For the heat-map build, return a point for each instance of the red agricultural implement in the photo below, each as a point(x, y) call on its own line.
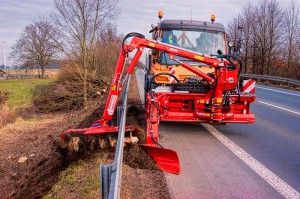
point(186, 81)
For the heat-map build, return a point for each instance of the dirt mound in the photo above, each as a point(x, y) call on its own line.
point(29, 164)
point(33, 140)
point(91, 118)
point(143, 183)
point(137, 157)
point(136, 115)
point(38, 178)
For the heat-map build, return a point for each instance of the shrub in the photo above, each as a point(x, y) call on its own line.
point(5, 115)
point(3, 97)
point(65, 93)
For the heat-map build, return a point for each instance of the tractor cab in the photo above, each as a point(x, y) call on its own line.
point(203, 37)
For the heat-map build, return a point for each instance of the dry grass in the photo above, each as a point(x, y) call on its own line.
point(6, 116)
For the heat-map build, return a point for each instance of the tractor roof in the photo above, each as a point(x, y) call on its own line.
point(191, 25)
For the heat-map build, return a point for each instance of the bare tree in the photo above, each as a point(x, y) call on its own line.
point(254, 43)
point(35, 46)
point(292, 28)
point(232, 29)
point(105, 55)
point(271, 36)
point(247, 21)
point(78, 23)
point(275, 31)
point(262, 36)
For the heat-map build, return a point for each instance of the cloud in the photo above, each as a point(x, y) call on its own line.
point(135, 15)
point(138, 15)
point(14, 16)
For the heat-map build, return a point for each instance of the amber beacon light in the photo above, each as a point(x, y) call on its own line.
point(212, 18)
point(160, 14)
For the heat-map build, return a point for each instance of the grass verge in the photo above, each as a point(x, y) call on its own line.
point(80, 179)
point(21, 90)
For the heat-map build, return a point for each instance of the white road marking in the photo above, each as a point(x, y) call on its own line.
point(279, 107)
point(278, 91)
point(282, 187)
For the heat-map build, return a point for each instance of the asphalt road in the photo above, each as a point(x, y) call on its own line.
point(274, 139)
point(210, 169)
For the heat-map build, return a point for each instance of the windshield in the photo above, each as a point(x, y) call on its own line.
point(202, 42)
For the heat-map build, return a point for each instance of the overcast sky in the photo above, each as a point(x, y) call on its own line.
point(135, 15)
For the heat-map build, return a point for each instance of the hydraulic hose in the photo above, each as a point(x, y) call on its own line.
point(152, 100)
point(159, 74)
point(132, 34)
point(227, 57)
point(238, 84)
point(151, 134)
point(151, 81)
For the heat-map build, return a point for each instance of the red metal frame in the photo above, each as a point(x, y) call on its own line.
point(179, 107)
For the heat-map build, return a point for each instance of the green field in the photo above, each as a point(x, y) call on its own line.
point(21, 90)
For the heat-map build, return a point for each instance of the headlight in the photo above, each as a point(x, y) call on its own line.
point(231, 44)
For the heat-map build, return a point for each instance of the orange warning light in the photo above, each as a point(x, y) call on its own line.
point(212, 18)
point(160, 14)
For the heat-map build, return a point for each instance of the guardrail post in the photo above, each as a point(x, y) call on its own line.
point(105, 175)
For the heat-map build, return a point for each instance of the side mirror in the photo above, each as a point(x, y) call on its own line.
point(230, 46)
point(153, 27)
point(219, 52)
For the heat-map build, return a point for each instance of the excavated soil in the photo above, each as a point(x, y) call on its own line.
point(35, 176)
point(41, 173)
point(143, 183)
point(137, 157)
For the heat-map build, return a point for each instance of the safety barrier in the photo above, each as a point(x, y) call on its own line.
point(272, 78)
point(111, 175)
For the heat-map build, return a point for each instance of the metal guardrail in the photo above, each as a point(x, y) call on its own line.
point(272, 78)
point(111, 175)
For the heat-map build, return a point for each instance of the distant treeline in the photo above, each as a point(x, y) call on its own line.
point(271, 38)
point(48, 66)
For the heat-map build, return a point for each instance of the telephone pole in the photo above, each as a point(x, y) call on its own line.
point(4, 57)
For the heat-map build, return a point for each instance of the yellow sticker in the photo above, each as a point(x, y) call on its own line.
point(199, 57)
point(114, 87)
point(207, 114)
point(219, 100)
point(151, 44)
point(202, 101)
